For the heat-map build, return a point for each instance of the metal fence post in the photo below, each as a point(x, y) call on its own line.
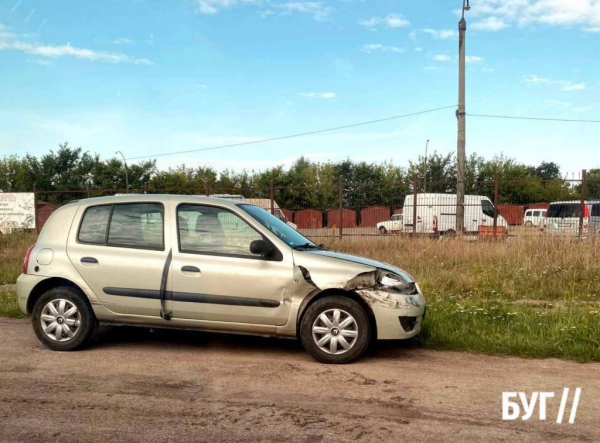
point(415, 186)
point(207, 188)
point(145, 187)
point(341, 204)
point(89, 189)
point(582, 204)
point(35, 209)
point(496, 184)
point(271, 197)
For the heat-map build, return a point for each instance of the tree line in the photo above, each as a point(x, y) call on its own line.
point(305, 184)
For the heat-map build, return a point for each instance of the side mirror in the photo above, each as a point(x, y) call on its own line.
point(260, 247)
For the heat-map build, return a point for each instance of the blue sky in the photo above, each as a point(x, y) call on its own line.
point(149, 77)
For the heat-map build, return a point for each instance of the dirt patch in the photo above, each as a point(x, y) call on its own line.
point(135, 385)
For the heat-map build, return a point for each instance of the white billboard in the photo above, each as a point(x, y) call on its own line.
point(17, 210)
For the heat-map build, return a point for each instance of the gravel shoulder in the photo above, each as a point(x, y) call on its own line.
point(132, 384)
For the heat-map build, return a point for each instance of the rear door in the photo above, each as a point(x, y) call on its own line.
point(563, 218)
point(120, 251)
point(216, 277)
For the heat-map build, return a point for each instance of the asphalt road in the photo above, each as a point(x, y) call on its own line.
point(136, 385)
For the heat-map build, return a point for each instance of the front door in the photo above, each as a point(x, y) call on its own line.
point(216, 277)
point(120, 252)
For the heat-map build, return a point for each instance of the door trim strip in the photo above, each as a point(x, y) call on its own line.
point(190, 297)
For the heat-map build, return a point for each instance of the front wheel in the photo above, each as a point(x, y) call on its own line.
point(63, 319)
point(382, 230)
point(335, 329)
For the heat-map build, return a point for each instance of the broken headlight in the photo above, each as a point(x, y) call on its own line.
point(390, 280)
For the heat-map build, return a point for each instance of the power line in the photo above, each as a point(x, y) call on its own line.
point(302, 134)
point(535, 118)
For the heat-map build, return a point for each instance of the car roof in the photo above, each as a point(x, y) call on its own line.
point(162, 198)
point(587, 202)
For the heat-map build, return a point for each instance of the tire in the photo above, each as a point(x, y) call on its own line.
point(356, 334)
point(528, 224)
point(82, 323)
point(382, 230)
point(450, 233)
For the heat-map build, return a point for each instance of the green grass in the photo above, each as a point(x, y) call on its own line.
point(8, 304)
point(12, 251)
point(529, 297)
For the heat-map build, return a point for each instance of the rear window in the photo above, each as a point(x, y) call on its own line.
point(135, 225)
point(563, 210)
point(94, 224)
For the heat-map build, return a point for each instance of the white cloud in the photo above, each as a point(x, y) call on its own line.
point(213, 6)
point(582, 109)
point(566, 85)
point(69, 51)
point(376, 47)
point(585, 13)
point(487, 70)
point(123, 41)
point(491, 24)
point(474, 59)
point(442, 58)
point(323, 95)
point(443, 34)
point(418, 49)
point(592, 29)
point(574, 87)
point(389, 21)
point(317, 9)
point(556, 104)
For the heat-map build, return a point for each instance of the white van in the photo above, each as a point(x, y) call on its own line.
point(563, 218)
point(534, 217)
point(436, 213)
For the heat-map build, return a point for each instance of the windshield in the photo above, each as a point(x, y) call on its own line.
point(281, 229)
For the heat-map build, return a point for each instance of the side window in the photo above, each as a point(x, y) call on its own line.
point(94, 224)
point(487, 207)
point(139, 225)
point(596, 210)
point(211, 230)
point(536, 213)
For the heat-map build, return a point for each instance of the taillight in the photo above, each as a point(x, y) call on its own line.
point(26, 261)
point(435, 223)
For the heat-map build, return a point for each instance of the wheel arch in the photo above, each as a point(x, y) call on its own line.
point(45, 285)
point(317, 295)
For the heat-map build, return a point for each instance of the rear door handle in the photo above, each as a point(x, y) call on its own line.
point(190, 269)
point(89, 260)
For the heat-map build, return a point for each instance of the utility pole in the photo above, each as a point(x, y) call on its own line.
point(126, 171)
point(425, 169)
point(460, 115)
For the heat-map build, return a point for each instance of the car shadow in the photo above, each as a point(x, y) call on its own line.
point(158, 339)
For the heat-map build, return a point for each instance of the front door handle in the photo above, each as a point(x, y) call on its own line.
point(89, 260)
point(190, 269)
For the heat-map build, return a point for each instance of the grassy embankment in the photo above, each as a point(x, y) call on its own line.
point(531, 297)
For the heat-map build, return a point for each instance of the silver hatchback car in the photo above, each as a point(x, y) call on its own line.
point(211, 264)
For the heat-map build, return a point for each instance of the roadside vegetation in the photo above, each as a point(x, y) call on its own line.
point(531, 296)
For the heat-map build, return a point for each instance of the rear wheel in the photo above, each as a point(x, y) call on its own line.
point(63, 319)
point(382, 230)
point(335, 329)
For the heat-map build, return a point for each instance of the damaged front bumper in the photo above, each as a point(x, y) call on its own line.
point(398, 316)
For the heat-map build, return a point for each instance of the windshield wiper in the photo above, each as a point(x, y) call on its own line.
point(307, 246)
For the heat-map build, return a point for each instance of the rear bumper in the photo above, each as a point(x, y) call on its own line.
point(25, 284)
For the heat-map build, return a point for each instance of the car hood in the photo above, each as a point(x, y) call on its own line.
point(334, 255)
